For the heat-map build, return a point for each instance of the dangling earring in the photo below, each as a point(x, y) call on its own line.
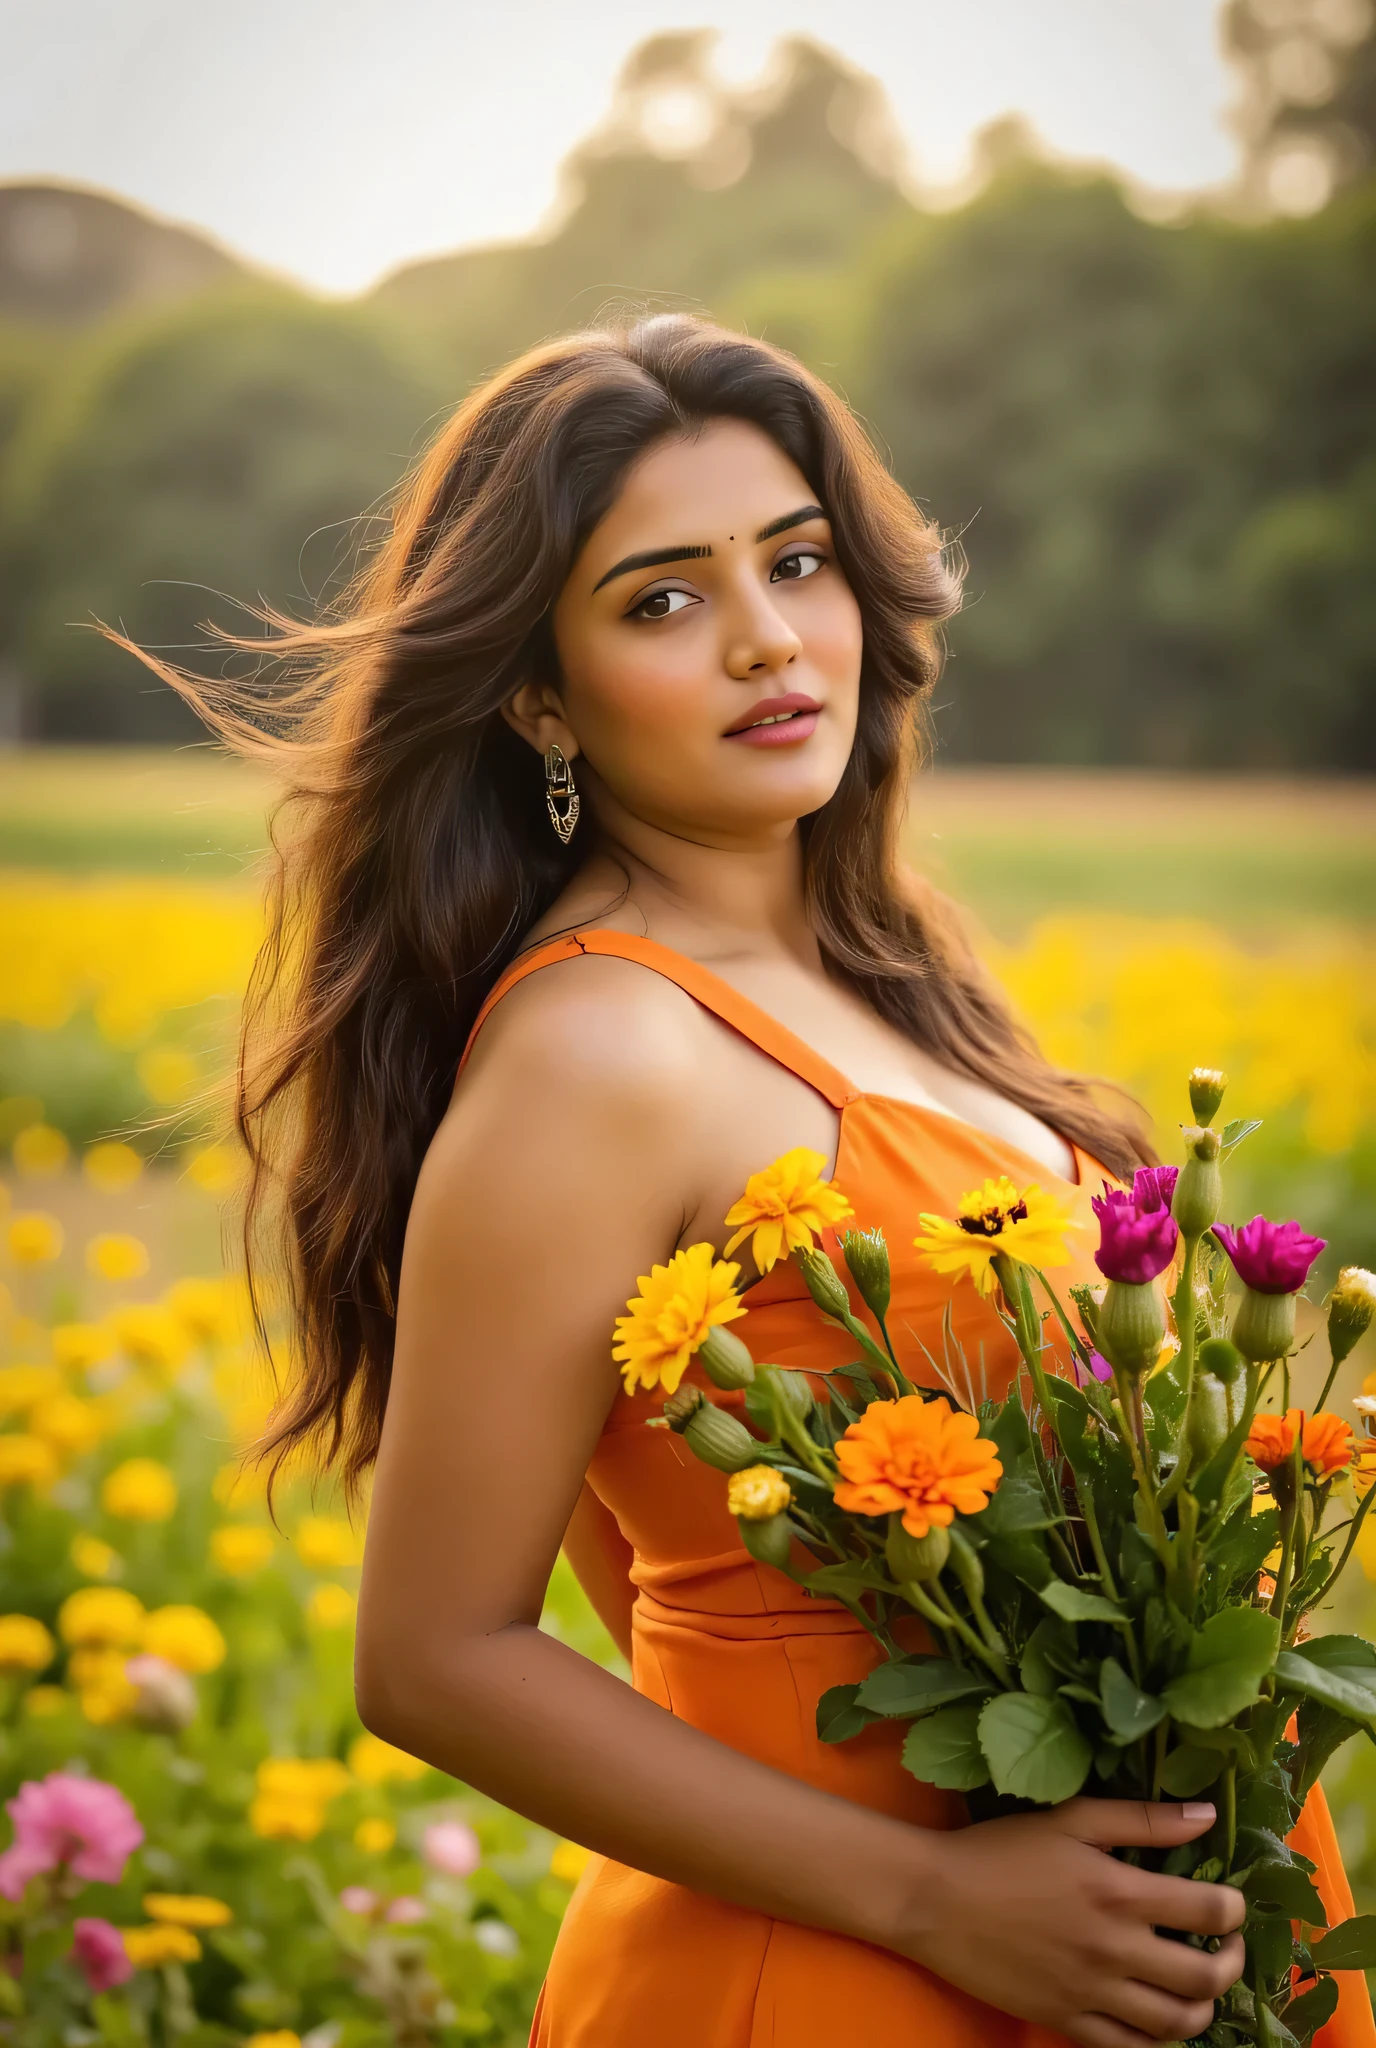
point(560, 790)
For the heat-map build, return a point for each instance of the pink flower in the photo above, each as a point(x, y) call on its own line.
point(451, 1846)
point(356, 1898)
point(406, 1912)
point(1270, 1258)
point(99, 1948)
point(1137, 1233)
point(81, 1823)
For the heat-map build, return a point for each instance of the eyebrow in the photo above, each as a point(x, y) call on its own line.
point(655, 558)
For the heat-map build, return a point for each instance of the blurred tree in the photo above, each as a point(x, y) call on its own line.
point(1307, 110)
point(228, 445)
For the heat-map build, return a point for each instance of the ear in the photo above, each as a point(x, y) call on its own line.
point(534, 711)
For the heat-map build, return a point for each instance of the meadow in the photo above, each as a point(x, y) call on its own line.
point(294, 1880)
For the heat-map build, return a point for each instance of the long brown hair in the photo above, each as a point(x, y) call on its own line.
point(419, 853)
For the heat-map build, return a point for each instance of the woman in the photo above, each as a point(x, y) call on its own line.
point(601, 771)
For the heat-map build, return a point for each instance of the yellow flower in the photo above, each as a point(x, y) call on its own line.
point(241, 1548)
point(214, 1169)
point(670, 1317)
point(186, 1637)
point(23, 1386)
point(114, 1255)
point(205, 1307)
point(168, 1072)
point(26, 1461)
point(326, 1543)
point(1024, 1224)
point(41, 1702)
point(140, 1490)
point(72, 1426)
point(112, 1167)
point(276, 1817)
point(569, 1861)
point(375, 1762)
point(783, 1206)
point(79, 1346)
point(186, 1909)
point(105, 1693)
point(25, 1645)
point(283, 2038)
point(331, 1607)
point(40, 1151)
point(94, 1559)
point(101, 1616)
point(374, 1836)
point(151, 1336)
point(148, 1948)
point(321, 1778)
point(35, 1238)
point(758, 1493)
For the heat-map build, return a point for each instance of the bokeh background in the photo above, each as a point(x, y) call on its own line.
point(1101, 281)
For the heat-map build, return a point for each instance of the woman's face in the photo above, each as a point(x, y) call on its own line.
point(709, 643)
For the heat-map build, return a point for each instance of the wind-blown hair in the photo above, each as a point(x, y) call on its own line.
point(414, 852)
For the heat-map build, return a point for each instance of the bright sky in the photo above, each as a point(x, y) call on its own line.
point(334, 139)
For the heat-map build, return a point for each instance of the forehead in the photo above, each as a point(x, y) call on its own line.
point(728, 479)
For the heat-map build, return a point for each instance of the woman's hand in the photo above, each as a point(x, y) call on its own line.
point(1033, 1915)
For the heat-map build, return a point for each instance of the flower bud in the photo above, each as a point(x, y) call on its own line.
point(1221, 1358)
point(1264, 1326)
point(824, 1283)
point(797, 1392)
point(757, 1493)
point(719, 1439)
point(165, 1700)
point(681, 1407)
point(768, 1542)
point(1209, 1422)
point(1199, 1185)
point(725, 1359)
point(1351, 1306)
point(867, 1256)
point(1206, 1092)
point(1131, 1325)
point(915, 1557)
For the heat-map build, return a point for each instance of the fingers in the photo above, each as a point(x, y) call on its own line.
point(1097, 2030)
point(1190, 1973)
point(1156, 2014)
point(1134, 1823)
point(1190, 1908)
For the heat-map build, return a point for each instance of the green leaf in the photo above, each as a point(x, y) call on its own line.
point(1343, 1687)
point(1129, 1711)
point(1351, 1945)
point(1072, 1604)
point(1237, 1129)
point(1050, 1640)
point(1342, 1653)
point(838, 1715)
point(944, 1750)
point(849, 1579)
point(1304, 2016)
point(918, 1685)
point(1264, 1802)
point(1226, 1662)
point(1188, 1770)
point(1034, 1747)
point(1285, 1889)
point(1240, 1548)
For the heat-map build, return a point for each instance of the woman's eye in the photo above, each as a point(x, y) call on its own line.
point(792, 567)
point(660, 604)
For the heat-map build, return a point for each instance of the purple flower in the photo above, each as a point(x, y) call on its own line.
point(406, 1912)
point(1137, 1233)
point(80, 1822)
point(1270, 1258)
point(1099, 1369)
point(99, 1949)
point(451, 1846)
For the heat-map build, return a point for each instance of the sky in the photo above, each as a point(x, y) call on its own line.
point(335, 139)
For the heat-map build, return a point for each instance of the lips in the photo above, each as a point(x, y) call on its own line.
point(771, 713)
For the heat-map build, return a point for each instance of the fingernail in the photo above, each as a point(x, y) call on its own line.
point(1197, 1809)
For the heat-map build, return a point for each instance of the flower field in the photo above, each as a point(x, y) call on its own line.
point(259, 1869)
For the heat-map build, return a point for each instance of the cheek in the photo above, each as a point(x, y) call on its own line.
point(629, 693)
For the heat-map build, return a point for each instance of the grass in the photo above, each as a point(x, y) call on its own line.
point(1013, 844)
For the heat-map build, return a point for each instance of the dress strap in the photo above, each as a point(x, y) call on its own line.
point(714, 994)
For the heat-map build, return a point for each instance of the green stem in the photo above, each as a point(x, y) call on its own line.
point(1328, 1384)
point(1289, 1520)
point(1146, 1491)
point(937, 1609)
point(1090, 1518)
point(1182, 1302)
point(1230, 1814)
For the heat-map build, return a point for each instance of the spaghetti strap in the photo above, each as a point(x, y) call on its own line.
point(763, 1031)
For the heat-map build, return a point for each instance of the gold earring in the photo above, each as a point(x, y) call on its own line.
point(560, 790)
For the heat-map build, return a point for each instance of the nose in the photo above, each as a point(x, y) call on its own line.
point(759, 640)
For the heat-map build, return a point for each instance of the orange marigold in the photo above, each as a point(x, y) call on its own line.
point(919, 1458)
point(1326, 1444)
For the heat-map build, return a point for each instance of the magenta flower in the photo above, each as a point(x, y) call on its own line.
point(1137, 1233)
point(356, 1898)
point(99, 1948)
point(1270, 1258)
point(451, 1846)
point(80, 1823)
point(405, 1912)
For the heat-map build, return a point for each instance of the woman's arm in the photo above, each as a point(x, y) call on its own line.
point(565, 1168)
point(601, 1560)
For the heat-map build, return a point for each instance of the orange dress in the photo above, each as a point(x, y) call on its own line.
point(742, 1653)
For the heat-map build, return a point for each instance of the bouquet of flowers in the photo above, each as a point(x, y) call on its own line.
point(1116, 1564)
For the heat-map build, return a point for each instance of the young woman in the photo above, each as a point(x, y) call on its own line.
point(594, 912)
